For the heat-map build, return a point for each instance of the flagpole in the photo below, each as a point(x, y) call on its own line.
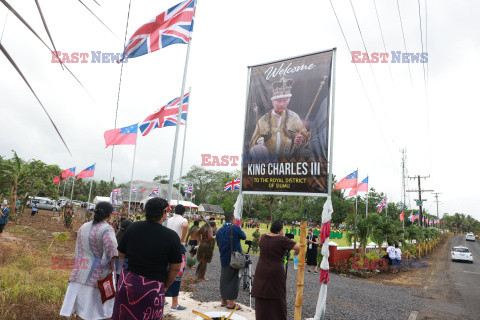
point(184, 139)
point(355, 221)
point(131, 177)
point(177, 127)
point(64, 185)
point(366, 209)
point(89, 194)
point(73, 185)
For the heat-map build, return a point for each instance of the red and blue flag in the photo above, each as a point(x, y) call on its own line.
point(134, 190)
point(117, 191)
point(382, 205)
point(189, 190)
point(87, 173)
point(154, 192)
point(166, 116)
point(70, 172)
point(232, 185)
point(170, 27)
point(126, 135)
point(362, 187)
point(349, 181)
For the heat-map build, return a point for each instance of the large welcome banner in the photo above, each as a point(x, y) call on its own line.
point(287, 122)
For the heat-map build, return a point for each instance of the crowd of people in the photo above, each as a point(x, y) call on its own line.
point(129, 273)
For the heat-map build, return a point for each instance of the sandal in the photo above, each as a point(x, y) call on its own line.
point(235, 305)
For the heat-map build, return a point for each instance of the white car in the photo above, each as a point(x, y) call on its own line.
point(461, 253)
point(470, 236)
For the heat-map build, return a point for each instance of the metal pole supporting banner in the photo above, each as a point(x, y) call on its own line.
point(355, 223)
point(177, 127)
point(183, 149)
point(89, 194)
point(131, 177)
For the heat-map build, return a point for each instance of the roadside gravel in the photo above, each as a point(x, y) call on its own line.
point(348, 298)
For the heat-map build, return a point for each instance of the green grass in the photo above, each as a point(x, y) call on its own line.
point(263, 229)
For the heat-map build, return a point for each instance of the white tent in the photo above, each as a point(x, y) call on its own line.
point(186, 204)
point(99, 199)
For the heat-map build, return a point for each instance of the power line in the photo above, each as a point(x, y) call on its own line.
point(404, 42)
point(383, 40)
point(365, 47)
point(364, 89)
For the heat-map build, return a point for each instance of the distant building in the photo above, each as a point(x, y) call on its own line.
point(140, 185)
point(204, 208)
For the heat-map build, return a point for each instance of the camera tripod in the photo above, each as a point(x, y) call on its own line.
point(246, 273)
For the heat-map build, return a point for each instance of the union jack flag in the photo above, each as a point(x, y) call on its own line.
point(189, 190)
point(166, 116)
point(232, 185)
point(154, 192)
point(134, 190)
point(117, 191)
point(172, 26)
point(382, 205)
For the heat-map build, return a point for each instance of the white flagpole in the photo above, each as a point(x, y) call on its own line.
point(177, 127)
point(73, 185)
point(89, 194)
point(184, 139)
point(64, 185)
point(366, 208)
point(131, 177)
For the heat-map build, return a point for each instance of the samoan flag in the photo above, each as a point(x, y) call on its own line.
point(166, 116)
point(70, 172)
point(362, 187)
point(170, 27)
point(402, 215)
point(349, 181)
point(126, 135)
point(411, 217)
point(87, 173)
point(232, 185)
point(189, 190)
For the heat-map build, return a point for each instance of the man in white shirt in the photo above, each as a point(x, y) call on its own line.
point(398, 257)
point(180, 225)
point(391, 253)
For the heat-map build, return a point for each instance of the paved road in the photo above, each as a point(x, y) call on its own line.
point(453, 289)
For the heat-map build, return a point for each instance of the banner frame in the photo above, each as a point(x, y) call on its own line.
point(330, 128)
point(294, 57)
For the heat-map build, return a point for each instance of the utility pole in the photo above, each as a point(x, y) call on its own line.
point(420, 201)
point(436, 200)
point(404, 159)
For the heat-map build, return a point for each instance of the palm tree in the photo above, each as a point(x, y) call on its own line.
point(15, 169)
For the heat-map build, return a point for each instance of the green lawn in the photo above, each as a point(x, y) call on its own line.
point(263, 229)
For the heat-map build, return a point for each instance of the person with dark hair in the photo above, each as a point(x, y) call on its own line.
point(228, 239)
point(269, 285)
point(34, 209)
point(95, 248)
point(206, 247)
point(312, 250)
point(4, 214)
point(154, 256)
point(192, 238)
point(178, 224)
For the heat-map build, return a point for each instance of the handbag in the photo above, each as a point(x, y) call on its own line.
point(107, 290)
point(237, 258)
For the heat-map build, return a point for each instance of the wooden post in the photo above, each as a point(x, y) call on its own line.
point(301, 270)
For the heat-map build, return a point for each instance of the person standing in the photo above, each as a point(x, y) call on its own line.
point(312, 250)
point(206, 247)
point(398, 257)
point(228, 239)
point(4, 215)
point(192, 238)
point(391, 254)
point(34, 209)
point(178, 224)
point(256, 240)
point(154, 257)
point(95, 248)
point(269, 284)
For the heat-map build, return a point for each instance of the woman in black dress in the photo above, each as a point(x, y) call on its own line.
point(312, 249)
point(269, 284)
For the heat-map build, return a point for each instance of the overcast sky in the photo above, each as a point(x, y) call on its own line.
point(435, 125)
